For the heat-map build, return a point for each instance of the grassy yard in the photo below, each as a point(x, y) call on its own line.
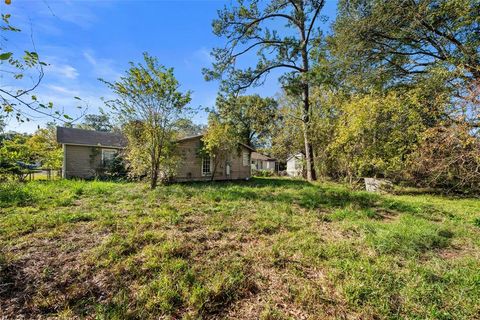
point(266, 248)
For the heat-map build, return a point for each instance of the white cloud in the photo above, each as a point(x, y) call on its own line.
point(203, 54)
point(63, 70)
point(62, 90)
point(102, 68)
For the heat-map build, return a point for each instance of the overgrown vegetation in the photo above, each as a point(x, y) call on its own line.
point(266, 248)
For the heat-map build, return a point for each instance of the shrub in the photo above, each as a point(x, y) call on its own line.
point(263, 173)
point(447, 157)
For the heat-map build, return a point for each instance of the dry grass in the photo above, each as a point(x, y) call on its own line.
point(267, 248)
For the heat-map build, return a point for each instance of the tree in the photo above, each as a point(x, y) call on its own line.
point(98, 122)
point(255, 27)
point(219, 142)
point(21, 75)
point(251, 116)
point(44, 148)
point(375, 134)
point(186, 128)
point(13, 152)
point(149, 104)
point(407, 41)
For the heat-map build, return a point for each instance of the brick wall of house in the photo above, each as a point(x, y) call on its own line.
point(82, 161)
point(190, 163)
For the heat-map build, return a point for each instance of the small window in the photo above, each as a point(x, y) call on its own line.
point(246, 158)
point(108, 155)
point(206, 166)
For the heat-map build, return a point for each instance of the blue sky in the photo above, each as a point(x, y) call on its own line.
point(86, 40)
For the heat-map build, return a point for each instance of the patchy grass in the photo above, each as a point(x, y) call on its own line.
point(267, 248)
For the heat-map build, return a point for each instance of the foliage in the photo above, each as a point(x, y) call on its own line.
point(251, 116)
point(388, 42)
point(17, 96)
point(220, 141)
point(98, 122)
point(268, 247)
point(287, 133)
point(375, 134)
point(447, 157)
point(149, 104)
point(44, 148)
point(254, 27)
point(13, 150)
point(115, 169)
point(187, 128)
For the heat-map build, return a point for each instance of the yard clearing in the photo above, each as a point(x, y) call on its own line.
point(266, 248)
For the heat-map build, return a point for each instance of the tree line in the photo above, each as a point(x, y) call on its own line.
point(391, 90)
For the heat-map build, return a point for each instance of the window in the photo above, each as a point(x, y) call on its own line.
point(246, 158)
point(206, 166)
point(108, 155)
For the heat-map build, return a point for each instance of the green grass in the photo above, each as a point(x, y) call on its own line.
point(267, 248)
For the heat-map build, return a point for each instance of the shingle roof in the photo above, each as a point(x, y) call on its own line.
point(199, 136)
point(90, 137)
point(259, 156)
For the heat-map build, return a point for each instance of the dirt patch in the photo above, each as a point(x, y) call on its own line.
point(48, 274)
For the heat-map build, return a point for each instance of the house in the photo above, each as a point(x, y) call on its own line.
point(295, 165)
point(263, 162)
point(86, 152)
point(194, 167)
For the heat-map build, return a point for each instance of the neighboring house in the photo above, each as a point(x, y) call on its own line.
point(263, 162)
point(86, 151)
point(295, 165)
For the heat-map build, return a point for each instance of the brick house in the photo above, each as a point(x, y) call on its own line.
point(85, 152)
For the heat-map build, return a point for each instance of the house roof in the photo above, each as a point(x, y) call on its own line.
point(90, 138)
point(199, 136)
point(259, 156)
point(298, 155)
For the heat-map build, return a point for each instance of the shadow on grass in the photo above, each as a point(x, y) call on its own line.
point(290, 191)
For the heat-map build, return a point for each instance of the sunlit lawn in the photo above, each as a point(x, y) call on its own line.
point(267, 248)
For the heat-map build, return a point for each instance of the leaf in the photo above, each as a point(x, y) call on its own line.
point(5, 56)
point(66, 116)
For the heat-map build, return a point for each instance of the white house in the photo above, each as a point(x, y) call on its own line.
point(295, 165)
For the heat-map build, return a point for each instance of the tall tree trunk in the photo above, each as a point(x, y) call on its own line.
point(311, 174)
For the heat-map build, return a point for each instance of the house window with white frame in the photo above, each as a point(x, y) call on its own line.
point(206, 166)
point(246, 158)
point(108, 155)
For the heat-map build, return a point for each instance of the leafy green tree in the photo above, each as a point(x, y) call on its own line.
point(375, 133)
point(44, 149)
point(186, 128)
point(255, 26)
point(251, 116)
point(220, 141)
point(286, 132)
point(98, 122)
point(149, 103)
point(387, 43)
point(13, 151)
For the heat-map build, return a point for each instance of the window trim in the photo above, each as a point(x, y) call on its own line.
point(245, 163)
point(206, 174)
point(104, 151)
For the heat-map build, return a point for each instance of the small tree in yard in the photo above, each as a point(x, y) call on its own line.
point(148, 105)
point(219, 141)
